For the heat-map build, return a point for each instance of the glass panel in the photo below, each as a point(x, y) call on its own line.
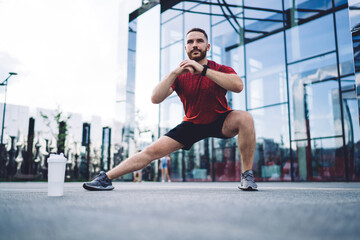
point(171, 57)
point(130, 87)
point(344, 42)
point(197, 162)
point(217, 19)
point(170, 13)
point(322, 108)
point(299, 160)
point(227, 160)
point(233, 5)
point(352, 131)
point(328, 162)
point(235, 59)
point(231, 2)
point(267, 4)
point(237, 100)
point(198, 20)
point(310, 39)
point(348, 82)
point(255, 29)
point(171, 113)
point(301, 75)
point(340, 2)
point(176, 165)
point(172, 31)
point(225, 36)
point(266, 71)
point(219, 12)
point(306, 9)
point(354, 13)
point(319, 160)
point(272, 155)
point(190, 5)
point(147, 66)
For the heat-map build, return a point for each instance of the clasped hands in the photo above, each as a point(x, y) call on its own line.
point(189, 66)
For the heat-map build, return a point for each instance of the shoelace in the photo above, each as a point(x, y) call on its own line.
point(101, 178)
point(248, 177)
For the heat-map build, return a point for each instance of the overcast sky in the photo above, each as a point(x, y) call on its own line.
point(69, 53)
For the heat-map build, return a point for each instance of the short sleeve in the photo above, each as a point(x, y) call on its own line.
point(173, 86)
point(227, 69)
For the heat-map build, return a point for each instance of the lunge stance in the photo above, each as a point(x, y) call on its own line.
point(201, 85)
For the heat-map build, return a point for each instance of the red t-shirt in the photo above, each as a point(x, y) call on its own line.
point(203, 99)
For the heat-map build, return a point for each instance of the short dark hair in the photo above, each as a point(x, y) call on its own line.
point(198, 30)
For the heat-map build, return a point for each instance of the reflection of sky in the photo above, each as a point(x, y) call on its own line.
point(310, 39)
point(323, 105)
point(307, 40)
point(354, 13)
point(272, 123)
point(147, 64)
point(353, 108)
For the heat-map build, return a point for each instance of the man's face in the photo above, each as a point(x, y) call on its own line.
point(196, 46)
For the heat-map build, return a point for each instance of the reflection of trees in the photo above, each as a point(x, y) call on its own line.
point(205, 159)
point(190, 162)
point(270, 153)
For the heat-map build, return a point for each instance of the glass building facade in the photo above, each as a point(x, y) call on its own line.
point(296, 58)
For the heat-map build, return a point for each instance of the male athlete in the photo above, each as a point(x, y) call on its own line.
point(201, 85)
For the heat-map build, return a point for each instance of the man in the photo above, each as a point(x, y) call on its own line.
point(201, 85)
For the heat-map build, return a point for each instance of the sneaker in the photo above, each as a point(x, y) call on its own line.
point(247, 181)
point(100, 183)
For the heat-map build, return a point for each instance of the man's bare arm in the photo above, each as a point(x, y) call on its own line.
point(164, 89)
point(231, 82)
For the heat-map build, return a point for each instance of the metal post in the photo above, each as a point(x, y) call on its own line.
point(4, 83)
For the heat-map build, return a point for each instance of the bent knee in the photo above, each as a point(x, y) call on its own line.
point(246, 120)
point(152, 152)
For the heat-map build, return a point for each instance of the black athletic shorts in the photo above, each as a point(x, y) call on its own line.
point(188, 133)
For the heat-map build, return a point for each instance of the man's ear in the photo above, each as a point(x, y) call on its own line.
point(208, 47)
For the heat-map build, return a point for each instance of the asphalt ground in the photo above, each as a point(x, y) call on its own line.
point(154, 210)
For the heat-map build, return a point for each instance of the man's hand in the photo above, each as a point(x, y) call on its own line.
point(191, 66)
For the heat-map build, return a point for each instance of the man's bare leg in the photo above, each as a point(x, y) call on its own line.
point(241, 123)
point(156, 150)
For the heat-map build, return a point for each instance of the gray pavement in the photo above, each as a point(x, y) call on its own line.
point(150, 210)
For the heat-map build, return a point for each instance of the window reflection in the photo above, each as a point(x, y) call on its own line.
point(170, 58)
point(327, 160)
point(302, 10)
point(272, 154)
point(169, 14)
point(344, 42)
point(323, 109)
point(198, 20)
point(172, 31)
point(352, 130)
point(266, 72)
point(265, 4)
point(227, 163)
point(310, 39)
point(301, 77)
point(225, 37)
point(172, 113)
point(309, 81)
point(319, 159)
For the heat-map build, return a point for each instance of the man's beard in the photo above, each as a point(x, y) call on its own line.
point(198, 57)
